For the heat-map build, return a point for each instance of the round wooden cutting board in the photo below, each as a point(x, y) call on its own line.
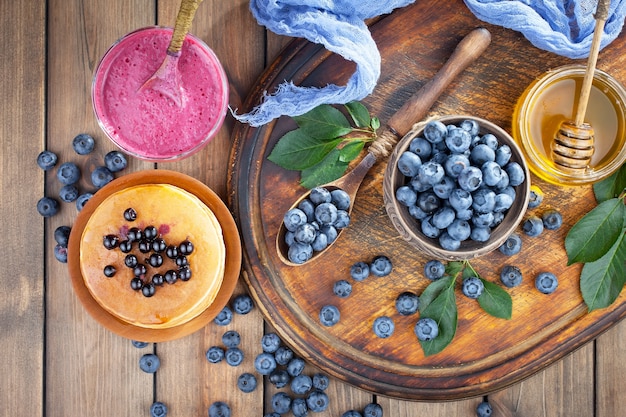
point(487, 353)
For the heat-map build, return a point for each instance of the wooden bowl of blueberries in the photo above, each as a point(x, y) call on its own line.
point(456, 187)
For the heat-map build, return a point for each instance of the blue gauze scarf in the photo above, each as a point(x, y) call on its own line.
point(564, 27)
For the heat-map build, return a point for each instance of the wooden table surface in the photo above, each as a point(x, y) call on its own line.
point(57, 361)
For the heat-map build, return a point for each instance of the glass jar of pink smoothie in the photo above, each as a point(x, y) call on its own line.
point(143, 122)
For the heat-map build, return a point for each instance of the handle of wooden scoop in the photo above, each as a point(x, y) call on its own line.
point(184, 18)
point(418, 105)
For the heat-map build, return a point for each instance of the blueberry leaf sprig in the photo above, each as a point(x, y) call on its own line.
point(598, 240)
point(325, 142)
point(438, 302)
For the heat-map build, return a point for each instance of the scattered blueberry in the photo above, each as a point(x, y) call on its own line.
point(281, 402)
point(383, 327)
point(109, 271)
point(484, 409)
point(60, 253)
point(301, 384)
point(373, 410)
point(546, 282)
point(265, 363)
point(320, 381)
point(246, 382)
point(215, 354)
point(512, 245)
point(535, 197)
point(280, 378)
point(342, 288)
point(47, 160)
point(224, 317)
point(283, 355)
point(138, 344)
point(234, 356)
point(242, 304)
point(62, 235)
point(130, 214)
point(317, 401)
point(68, 193)
point(149, 363)
point(158, 409)
point(270, 342)
point(47, 206)
point(231, 339)
point(68, 173)
point(532, 226)
point(115, 161)
point(511, 276)
point(329, 315)
point(407, 303)
point(359, 271)
point(101, 176)
point(295, 367)
point(219, 409)
point(426, 329)
point(473, 287)
point(82, 200)
point(351, 413)
point(299, 407)
point(381, 266)
point(83, 144)
point(552, 219)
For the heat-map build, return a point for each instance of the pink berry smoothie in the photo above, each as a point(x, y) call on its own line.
point(143, 122)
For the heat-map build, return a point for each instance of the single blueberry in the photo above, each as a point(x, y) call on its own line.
point(381, 266)
point(490, 140)
point(426, 329)
point(351, 413)
point(60, 253)
point(516, 173)
point(428, 229)
point(83, 144)
point(265, 363)
point(295, 367)
point(503, 203)
point(455, 164)
point(535, 197)
point(299, 252)
point(62, 235)
point(464, 214)
point(82, 200)
point(320, 242)
point(101, 176)
point(329, 315)
point(498, 217)
point(418, 185)
point(326, 213)
point(473, 287)
point(421, 147)
point(459, 230)
point(503, 183)
point(281, 402)
point(546, 282)
point(317, 401)
point(481, 153)
point(242, 304)
point(68, 173)
point(299, 407)
point(330, 232)
point(512, 245)
point(342, 288)
point(149, 363)
point(138, 344)
point(283, 355)
point(444, 188)
point(224, 317)
point(428, 201)
point(407, 303)
point(234, 356)
point(219, 409)
point(511, 276)
point(270, 342)
point(383, 327)
point(503, 154)
point(434, 269)
point(231, 338)
point(280, 378)
point(308, 208)
point(430, 172)
point(343, 219)
point(448, 243)
point(320, 381)
point(301, 384)
point(483, 409)
point(552, 219)
point(320, 195)
point(68, 193)
point(483, 200)
point(408, 164)
point(158, 409)
point(359, 271)
point(115, 161)
point(373, 410)
point(533, 226)
point(47, 206)
point(406, 195)
point(443, 217)
point(47, 160)
point(458, 140)
point(340, 199)
point(492, 173)
point(435, 131)
point(294, 218)
point(480, 234)
point(417, 213)
point(508, 190)
point(460, 199)
point(470, 179)
point(246, 382)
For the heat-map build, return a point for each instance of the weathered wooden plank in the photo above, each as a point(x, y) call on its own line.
point(22, 272)
point(89, 370)
point(610, 370)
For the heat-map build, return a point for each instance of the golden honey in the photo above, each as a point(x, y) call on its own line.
point(551, 100)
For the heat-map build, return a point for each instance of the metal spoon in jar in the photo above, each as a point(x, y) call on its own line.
point(415, 109)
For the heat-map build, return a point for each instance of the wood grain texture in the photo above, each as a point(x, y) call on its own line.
point(22, 121)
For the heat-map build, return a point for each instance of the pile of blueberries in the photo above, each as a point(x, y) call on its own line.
point(459, 184)
point(315, 223)
point(149, 245)
point(69, 175)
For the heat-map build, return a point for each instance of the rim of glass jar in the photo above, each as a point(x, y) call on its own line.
point(535, 160)
point(214, 129)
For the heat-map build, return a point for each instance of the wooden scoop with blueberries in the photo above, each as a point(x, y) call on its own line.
point(315, 220)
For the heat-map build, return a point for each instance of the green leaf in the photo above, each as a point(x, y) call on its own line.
point(351, 150)
point(496, 301)
point(296, 150)
point(328, 169)
point(375, 123)
point(359, 113)
point(602, 281)
point(594, 234)
point(324, 122)
point(453, 268)
point(444, 311)
point(612, 186)
point(433, 290)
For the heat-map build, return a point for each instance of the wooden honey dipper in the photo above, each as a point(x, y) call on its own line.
point(573, 146)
